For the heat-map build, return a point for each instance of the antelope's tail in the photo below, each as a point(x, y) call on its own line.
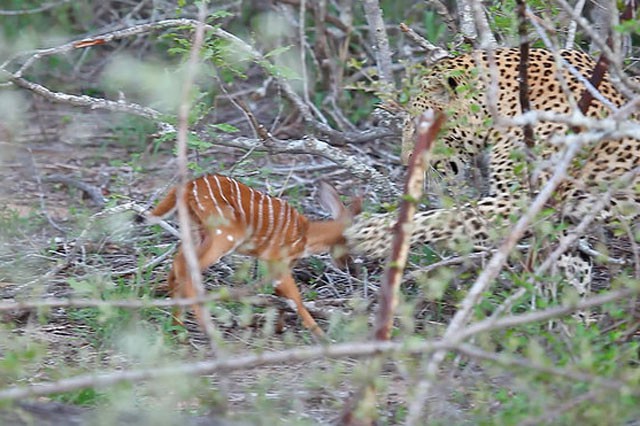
point(166, 206)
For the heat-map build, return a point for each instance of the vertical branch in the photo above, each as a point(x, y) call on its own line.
point(427, 130)
point(182, 132)
point(363, 402)
point(474, 23)
point(381, 44)
point(467, 24)
point(303, 50)
point(523, 80)
point(573, 25)
point(603, 61)
point(523, 67)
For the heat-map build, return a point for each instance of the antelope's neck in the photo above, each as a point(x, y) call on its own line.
point(322, 235)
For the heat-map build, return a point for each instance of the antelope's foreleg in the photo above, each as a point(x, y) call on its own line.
point(285, 286)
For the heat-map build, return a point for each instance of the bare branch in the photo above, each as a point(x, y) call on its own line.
point(188, 249)
point(373, 13)
point(433, 53)
point(88, 101)
point(523, 68)
point(474, 14)
point(573, 25)
point(428, 126)
point(310, 145)
point(427, 130)
point(306, 146)
point(467, 22)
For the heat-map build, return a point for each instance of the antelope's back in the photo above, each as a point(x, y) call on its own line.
point(272, 228)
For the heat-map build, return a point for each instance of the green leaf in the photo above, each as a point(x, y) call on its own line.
point(220, 14)
point(277, 51)
point(225, 127)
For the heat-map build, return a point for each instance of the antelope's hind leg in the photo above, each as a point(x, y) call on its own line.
point(212, 247)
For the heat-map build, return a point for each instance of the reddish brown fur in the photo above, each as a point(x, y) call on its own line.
point(230, 216)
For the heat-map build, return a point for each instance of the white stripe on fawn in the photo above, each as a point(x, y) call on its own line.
point(278, 222)
point(221, 192)
point(194, 190)
point(270, 219)
point(239, 200)
point(213, 198)
point(252, 209)
point(296, 230)
point(285, 223)
point(260, 214)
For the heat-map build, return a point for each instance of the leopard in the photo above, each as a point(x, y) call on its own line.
point(476, 87)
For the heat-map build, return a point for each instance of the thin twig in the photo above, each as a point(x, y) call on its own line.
point(552, 414)
point(492, 324)
point(224, 295)
point(433, 53)
point(188, 248)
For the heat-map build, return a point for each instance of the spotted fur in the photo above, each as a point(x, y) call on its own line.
point(458, 86)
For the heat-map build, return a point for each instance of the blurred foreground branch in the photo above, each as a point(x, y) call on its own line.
point(350, 349)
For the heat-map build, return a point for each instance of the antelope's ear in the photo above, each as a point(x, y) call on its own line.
point(330, 200)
